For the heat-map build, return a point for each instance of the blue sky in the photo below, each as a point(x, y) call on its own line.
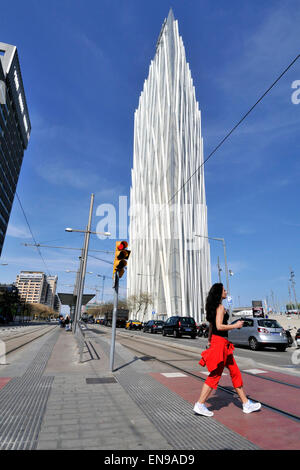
point(83, 66)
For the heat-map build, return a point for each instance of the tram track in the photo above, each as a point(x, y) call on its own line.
point(19, 335)
point(124, 341)
point(16, 341)
point(189, 354)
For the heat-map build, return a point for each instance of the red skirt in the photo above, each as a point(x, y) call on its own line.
point(218, 356)
point(220, 349)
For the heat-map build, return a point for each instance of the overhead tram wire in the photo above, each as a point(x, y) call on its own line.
point(104, 260)
point(228, 134)
point(71, 248)
point(235, 127)
point(67, 248)
point(33, 238)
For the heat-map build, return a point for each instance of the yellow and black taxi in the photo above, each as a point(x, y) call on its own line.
point(133, 325)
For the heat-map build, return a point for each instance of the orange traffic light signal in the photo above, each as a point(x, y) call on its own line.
point(121, 257)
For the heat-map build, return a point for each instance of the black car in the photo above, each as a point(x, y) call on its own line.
point(178, 326)
point(154, 326)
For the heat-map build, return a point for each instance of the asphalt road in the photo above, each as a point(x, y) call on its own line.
point(268, 357)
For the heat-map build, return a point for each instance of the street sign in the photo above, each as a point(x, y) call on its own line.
point(153, 313)
point(229, 300)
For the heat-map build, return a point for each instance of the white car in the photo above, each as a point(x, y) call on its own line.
point(259, 332)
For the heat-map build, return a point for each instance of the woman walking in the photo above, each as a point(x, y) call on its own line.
point(220, 353)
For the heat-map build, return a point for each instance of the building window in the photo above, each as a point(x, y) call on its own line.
point(25, 123)
point(16, 80)
point(21, 103)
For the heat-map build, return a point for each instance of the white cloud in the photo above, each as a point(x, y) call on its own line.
point(58, 173)
point(271, 46)
point(245, 230)
point(17, 232)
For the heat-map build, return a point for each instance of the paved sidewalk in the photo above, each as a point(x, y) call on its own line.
point(50, 401)
point(81, 415)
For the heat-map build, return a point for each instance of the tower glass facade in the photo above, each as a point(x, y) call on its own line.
point(167, 208)
point(15, 130)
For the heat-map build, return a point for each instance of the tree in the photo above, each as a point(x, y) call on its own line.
point(292, 306)
point(39, 311)
point(10, 302)
point(138, 302)
point(100, 310)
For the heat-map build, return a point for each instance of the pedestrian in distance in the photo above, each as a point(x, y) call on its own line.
point(220, 353)
point(67, 323)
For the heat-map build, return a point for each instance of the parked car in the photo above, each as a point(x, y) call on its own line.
point(2, 320)
point(178, 326)
point(288, 331)
point(154, 326)
point(133, 325)
point(259, 332)
point(120, 322)
point(297, 338)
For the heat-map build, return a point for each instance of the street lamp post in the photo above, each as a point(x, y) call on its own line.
point(219, 269)
point(226, 267)
point(292, 280)
point(76, 287)
point(103, 281)
point(114, 322)
point(83, 261)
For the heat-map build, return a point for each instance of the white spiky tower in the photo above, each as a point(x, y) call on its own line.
point(167, 260)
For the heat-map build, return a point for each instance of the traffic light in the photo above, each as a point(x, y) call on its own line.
point(121, 257)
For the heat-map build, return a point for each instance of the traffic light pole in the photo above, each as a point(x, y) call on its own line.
point(114, 321)
point(121, 255)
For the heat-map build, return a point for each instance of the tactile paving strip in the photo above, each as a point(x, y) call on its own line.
point(23, 402)
point(172, 415)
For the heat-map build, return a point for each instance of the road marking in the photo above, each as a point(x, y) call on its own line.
point(174, 374)
point(207, 373)
point(255, 371)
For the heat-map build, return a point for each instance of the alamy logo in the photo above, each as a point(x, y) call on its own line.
point(2, 92)
point(141, 216)
point(296, 94)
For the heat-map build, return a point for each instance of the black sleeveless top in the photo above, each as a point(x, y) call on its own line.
point(216, 332)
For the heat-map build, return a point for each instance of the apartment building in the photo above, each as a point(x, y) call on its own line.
point(37, 287)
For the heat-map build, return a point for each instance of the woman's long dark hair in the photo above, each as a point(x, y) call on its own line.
point(213, 301)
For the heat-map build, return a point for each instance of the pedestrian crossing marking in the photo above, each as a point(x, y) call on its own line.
point(207, 373)
point(255, 371)
point(173, 374)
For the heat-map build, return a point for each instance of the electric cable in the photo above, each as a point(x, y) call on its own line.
point(235, 127)
point(27, 222)
point(228, 134)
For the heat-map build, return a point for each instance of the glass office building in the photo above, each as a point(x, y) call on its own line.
point(14, 130)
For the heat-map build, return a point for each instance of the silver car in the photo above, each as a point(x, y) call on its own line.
point(259, 332)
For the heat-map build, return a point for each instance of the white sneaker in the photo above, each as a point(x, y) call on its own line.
point(201, 409)
point(250, 406)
